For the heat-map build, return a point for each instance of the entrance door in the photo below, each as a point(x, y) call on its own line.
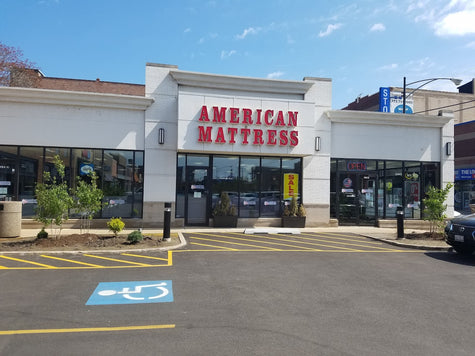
point(197, 190)
point(357, 198)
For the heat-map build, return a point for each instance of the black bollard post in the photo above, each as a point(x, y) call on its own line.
point(166, 221)
point(400, 222)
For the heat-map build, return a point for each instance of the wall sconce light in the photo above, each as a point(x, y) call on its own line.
point(161, 136)
point(448, 148)
point(317, 143)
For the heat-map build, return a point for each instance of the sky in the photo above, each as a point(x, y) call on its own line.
point(361, 45)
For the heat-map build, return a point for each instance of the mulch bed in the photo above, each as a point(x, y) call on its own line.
point(80, 242)
point(424, 236)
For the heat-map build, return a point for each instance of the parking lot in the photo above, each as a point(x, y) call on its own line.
point(234, 294)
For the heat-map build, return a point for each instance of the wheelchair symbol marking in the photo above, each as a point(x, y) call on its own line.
point(132, 292)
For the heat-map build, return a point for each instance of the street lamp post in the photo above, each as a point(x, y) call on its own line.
point(424, 82)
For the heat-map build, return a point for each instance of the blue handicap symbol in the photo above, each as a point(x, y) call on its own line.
point(132, 293)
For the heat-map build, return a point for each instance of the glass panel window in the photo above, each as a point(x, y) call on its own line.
point(8, 172)
point(180, 186)
point(270, 187)
point(31, 171)
point(225, 178)
point(83, 162)
point(412, 190)
point(137, 207)
point(63, 154)
point(394, 188)
point(118, 183)
point(294, 166)
point(249, 184)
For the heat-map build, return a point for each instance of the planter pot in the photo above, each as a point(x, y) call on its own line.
point(293, 221)
point(225, 221)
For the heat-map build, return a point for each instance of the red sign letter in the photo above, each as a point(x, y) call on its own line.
point(204, 114)
point(204, 136)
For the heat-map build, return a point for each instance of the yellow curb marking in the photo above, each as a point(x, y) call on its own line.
point(81, 330)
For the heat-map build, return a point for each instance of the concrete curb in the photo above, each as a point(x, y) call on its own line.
point(402, 244)
point(50, 252)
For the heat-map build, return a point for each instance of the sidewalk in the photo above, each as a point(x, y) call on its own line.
point(387, 235)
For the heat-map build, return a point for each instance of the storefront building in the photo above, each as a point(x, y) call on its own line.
point(194, 135)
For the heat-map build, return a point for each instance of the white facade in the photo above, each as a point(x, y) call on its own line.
point(174, 101)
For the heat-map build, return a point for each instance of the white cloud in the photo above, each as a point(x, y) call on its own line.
point(453, 19)
point(248, 31)
point(378, 27)
point(187, 30)
point(329, 30)
point(391, 66)
point(275, 75)
point(470, 45)
point(227, 54)
point(457, 23)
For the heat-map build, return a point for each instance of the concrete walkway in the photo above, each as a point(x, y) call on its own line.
point(388, 235)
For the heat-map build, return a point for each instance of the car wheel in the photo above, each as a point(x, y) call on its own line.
point(464, 250)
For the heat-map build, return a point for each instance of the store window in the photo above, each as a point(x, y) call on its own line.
point(180, 186)
point(8, 172)
point(117, 183)
point(412, 190)
point(270, 196)
point(249, 183)
point(225, 179)
point(31, 171)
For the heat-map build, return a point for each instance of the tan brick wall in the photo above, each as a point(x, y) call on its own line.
point(94, 86)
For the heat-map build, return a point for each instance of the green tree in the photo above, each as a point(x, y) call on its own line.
point(434, 207)
point(87, 198)
point(53, 198)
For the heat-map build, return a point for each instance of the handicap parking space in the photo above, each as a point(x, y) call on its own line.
point(274, 242)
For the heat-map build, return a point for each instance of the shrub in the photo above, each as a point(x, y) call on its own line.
point(301, 211)
point(223, 206)
point(134, 237)
point(42, 234)
point(115, 225)
point(53, 197)
point(292, 208)
point(434, 207)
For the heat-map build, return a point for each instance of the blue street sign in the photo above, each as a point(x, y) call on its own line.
point(132, 293)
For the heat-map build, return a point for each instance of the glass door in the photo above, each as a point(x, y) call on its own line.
point(356, 198)
point(197, 185)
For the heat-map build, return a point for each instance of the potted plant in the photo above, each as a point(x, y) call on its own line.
point(224, 214)
point(294, 214)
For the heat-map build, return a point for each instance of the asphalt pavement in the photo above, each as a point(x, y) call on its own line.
point(387, 235)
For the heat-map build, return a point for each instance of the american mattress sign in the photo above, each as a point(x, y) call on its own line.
point(229, 125)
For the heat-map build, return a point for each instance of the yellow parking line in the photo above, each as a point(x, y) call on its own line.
point(206, 245)
point(81, 330)
point(234, 243)
point(271, 237)
point(141, 256)
point(72, 261)
point(340, 236)
point(261, 242)
point(25, 261)
point(316, 237)
point(116, 260)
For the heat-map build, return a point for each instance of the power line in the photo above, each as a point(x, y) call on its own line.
point(448, 106)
